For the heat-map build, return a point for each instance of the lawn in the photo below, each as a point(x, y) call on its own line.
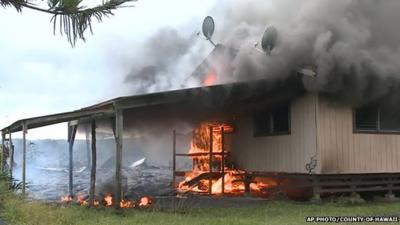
point(15, 210)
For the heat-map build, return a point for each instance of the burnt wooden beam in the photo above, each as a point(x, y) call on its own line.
point(203, 176)
point(24, 131)
point(210, 161)
point(93, 168)
point(3, 137)
point(71, 139)
point(173, 158)
point(119, 128)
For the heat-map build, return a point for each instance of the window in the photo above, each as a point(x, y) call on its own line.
point(376, 119)
point(367, 118)
point(272, 122)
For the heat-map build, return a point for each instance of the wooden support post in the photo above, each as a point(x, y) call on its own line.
point(70, 161)
point(71, 139)
point(88, 162)
point(3, 138)
point(119, 123)
point(93, 168)
point(223, 160)
point(173, 158)
point(24, 131)
point(210, 162)
point(11, 154)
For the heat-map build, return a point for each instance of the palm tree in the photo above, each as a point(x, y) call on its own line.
point(70, 16)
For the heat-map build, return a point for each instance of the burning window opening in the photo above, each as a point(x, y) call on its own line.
point(212, 173)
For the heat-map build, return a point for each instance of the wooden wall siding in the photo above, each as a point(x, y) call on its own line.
point(342, 151)
point(284, 153)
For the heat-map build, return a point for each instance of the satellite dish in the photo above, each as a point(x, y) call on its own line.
point(269, 38)
point(208, 28)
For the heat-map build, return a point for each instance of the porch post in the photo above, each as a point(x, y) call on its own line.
point(87, 148)
point(119, 123)
point(93, 168)
point(71, 139)
point(3, 137)
point(11, 154)
point(24, 131)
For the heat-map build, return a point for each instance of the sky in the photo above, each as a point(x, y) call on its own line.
point(40, 73)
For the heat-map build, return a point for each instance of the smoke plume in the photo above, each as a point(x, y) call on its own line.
point(164, 62)
point(353, 43)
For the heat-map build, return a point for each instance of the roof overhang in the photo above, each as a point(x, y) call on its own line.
point(42, 121)
point(217, 96)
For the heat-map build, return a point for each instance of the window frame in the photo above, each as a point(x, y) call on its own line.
point(270, 117)
point(378, 129)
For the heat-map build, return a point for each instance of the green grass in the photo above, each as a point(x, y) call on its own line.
point(18, 211)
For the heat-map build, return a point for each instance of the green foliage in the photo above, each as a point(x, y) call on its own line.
point(9, 182)
point(17, 4)
point(70, 16)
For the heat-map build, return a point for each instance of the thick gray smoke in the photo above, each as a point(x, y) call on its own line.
point(164, 62)
point(353, 43)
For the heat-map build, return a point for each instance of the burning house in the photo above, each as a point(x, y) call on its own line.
point(254, 138)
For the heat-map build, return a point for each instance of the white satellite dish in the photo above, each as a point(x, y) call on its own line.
point(268, 40)
point(208, 28)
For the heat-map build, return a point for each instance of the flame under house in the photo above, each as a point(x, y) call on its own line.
point(272, 130)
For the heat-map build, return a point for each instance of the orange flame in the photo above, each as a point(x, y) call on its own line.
point(127, 204)
point(145, 201)
point(81, 200)
point(197, 180)
point(108, 201)
point(210, 79)
point(66, 199)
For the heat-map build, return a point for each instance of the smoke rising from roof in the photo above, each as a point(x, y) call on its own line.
point(164, 62)
point(353, 43)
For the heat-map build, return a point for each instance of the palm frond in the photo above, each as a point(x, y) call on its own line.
point(70, 16)
point(17, 4)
